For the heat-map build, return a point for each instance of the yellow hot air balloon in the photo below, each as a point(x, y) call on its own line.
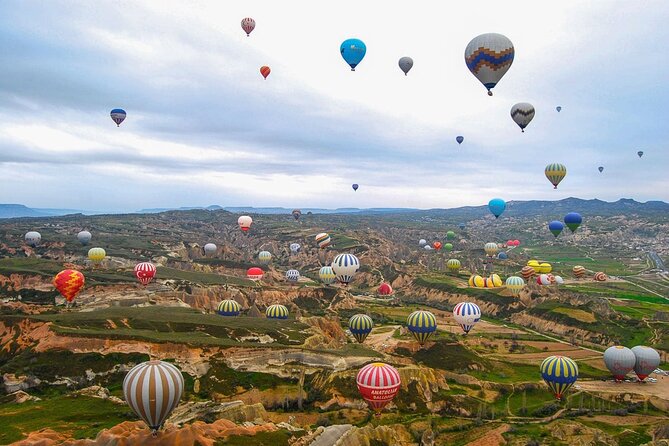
point(545, 268)
point(555, 172)
point(97, 255)
point(515, 284)
point(471, 280)
point(535, 265)
point(453, 264)
point(479, 282)
point(495, 281)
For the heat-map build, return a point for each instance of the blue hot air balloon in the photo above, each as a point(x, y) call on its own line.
point(555, 227)
point(353, 50)
point(497, 206)
point(355, 186)
point(118, 116)
point(502, 256)
point(573, 220)
point(459, 139)
point(558, 108)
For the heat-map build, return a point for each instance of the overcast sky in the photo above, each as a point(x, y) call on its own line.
point(203, 127)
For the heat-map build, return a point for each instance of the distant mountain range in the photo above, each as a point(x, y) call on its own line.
point(514, 209)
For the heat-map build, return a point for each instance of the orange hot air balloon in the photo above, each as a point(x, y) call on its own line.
point(265, 71)
point(69, 282)
point(436, 245)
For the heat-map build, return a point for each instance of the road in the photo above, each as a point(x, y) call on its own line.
point(659, 264)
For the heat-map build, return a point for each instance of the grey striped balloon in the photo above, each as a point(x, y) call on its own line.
point(152, 390)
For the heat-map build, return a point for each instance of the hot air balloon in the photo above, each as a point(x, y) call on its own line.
point(527, 272)
point(68, 283)
point(516, 242)
point(360, 326)
point(476, 281)
point(555, 172)
point(422, 324)
point(647, 360)
point(466, 314)
point(522, 114)
point(422, 242)
point(515, 284)
point(494, 281)
point(254, 273)
point(450, 235)
point(573, 220)
point(326, 275)
point(448, 246)
point(453, 264)
point(353, 51)
point(491, 248)
point(543, 279)
point(497, 206)
point(405, 64)
point(323, 240)
point(436, 245)
point(620, 361)
point(536, 266)
point(556, 227)
point(152, 390)
point(558, 108)
point(97, 255)
point(296, 214)
point(579, 271)
point(385, 289)
point(33, 238)
point(640, 153)
point(210, 249)
point(502, 256)
point(264, 257)
point(145, 272)
point(229, 307)
point(295, 248)
point(428, 248)
point(601, 169)
point(345, 266)
point(545, 268)
point(489, 57)
point(248, 25)
point(118, 116)
point(378, 384)
point(560, 373)
point(276, 312)
point(559, 280)
point(600, 277)
point(84, 237)
point(459, 139)
point(265, 71)
point(355, 187)
point(244, 223)
point(292, 275)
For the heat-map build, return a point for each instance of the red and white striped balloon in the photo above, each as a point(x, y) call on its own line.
point(145, 272)
point(378, 384)
point(248, 25)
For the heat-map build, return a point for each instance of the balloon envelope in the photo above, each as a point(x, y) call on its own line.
point(560, 373)
point(555, 173)
point(355, 186)
point(145, 272)
point(640, 153)
point(522, 114)
point(248, 25)
point(422, 324)
point(466, 314)
point(601, 169)
point(459, 139)
point(497, 206)
point(265, 71)
point(84, 237)
point(489, 57)
point(573, 220)
point(647, 360)
point(276, 312)
point(118, 116)
point(68, 283)
point(558, 108)
point(353, 51)
point(33, 238)
point(360, 326)
point(619, 360)
point(378, 384)
point(405, 64)
point(345, 266)
point(555, 227)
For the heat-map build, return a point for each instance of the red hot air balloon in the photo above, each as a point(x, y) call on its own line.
point(436, 245)
point(516, 242)
point(265, 71)
point(145, 272)
point(69, 282)
point(385, 289)
point(378, 384)
point(254, 273)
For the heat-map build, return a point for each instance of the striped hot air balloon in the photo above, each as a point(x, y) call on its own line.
point(248, 25)
point(228, 307)
point(543, 279)
point(466, 314)
point(422, 324)
point(515, 284)
point(326, 275)
point(361, 326)
point(68, 283)
point(145, 272)
point(522, 114)
point(527, 272)
point(152, 390)
point(97, 255)
point(579, 271)
point(560, 373)
point(647, 360)
point(495, 281)
point(600, 277)
point(276, 312)
point(385, 289)
point(491, 249)
point(254, 273)
point(453, 264)
point(488, 57)
point(264, 257)
point(323, 240)
point(620, 361)
point(378, 384)
point(345, 266)
point(292, 275)
point(555, 173)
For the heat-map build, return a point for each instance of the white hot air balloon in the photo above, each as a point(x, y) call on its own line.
point(489, 57)
point(33, 238)
point(619, 360)
point(210, 249)
point(522, 114)
point(345, 266)
point(84, 237)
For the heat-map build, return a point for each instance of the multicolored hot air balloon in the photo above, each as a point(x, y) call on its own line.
point(33, 238)
point(556, 227)
point(560, 373)
point(69, 283)
point(244, 223)
point(620, 361)
point(152, 390)
point(254, 273)
point(145, 272)
point(323, 240)
point(265, 71)
point(405, 64)
point(360, 326)
point(646, 361)
point(573, 220)
point(466, 314)
point(491, 248)
point(296, 214)
point(229, 307)
point(353, 51)
point(384, 289)
point(522, 114)
point(355, 187)
point(264, 257)
point(515, 284)
point(345, 266)
point(248, 25)
point(579, 271)
point(276, 312)
point(378, 384)
point(527, 272)
point(292, 275)
point(422, 324)
point(600, 277)
point(118, 116)
point(497, 206)
point(97, 255)
point(459, 139)
point(326, 275)
point(555, 173)
point(84, 237)
point(210, 249)
point(453, 264)
point(489, 57)
point(544, 279)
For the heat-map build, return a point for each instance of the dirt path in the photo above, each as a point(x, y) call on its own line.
point(382, 341)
